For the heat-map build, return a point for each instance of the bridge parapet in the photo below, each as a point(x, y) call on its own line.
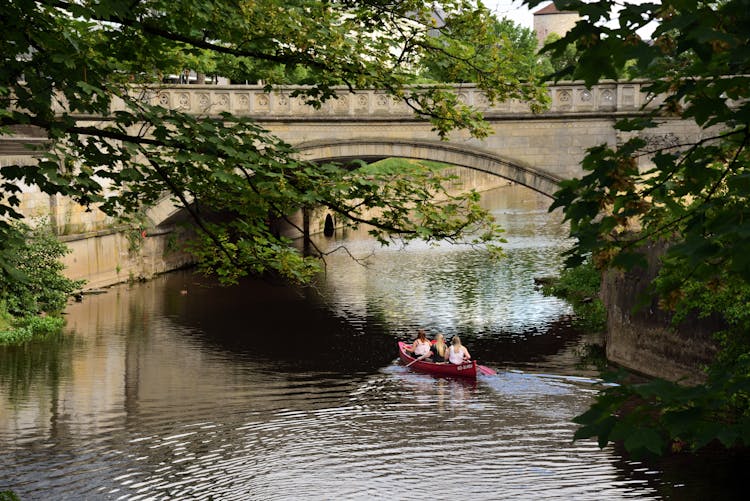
point(254, 101)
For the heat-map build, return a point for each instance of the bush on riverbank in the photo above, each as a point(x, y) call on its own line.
point(9, 496)
point(20, 330)
point(33, 290)
point(580, 287)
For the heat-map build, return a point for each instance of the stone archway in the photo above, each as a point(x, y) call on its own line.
point(374, 149)
point(165, 212)
point(438, 151)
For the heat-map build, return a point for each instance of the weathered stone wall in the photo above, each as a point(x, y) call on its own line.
point(65, 216)
point(102, 253)
point(108, 257)
point(639, 334)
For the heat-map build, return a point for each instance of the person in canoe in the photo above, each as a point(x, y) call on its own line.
point(457, 353)
point(439, 350)
point(420, 346)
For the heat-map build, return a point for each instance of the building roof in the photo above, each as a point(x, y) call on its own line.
point(551, 9)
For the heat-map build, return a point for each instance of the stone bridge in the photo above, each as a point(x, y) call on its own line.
point(534, 150)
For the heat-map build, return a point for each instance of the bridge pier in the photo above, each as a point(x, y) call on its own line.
point(107, 257)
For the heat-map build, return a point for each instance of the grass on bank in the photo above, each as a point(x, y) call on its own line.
point(21, 330)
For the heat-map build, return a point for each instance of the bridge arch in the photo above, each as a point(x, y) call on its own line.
point(439, 151)
point(375, 149)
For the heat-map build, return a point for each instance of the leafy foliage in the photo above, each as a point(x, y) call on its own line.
point(562, 59)
point(9, 496)
point(35, 286)
point(691, 193)
point(65, 60)
point(38, 285)
point(30, 327)
point(658, 416)
point(503, 48)
point(580, 286)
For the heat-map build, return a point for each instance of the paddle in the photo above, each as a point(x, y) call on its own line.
point(486, 370)
point(418, 359)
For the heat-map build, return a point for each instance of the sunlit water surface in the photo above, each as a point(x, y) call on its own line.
point(180, 389)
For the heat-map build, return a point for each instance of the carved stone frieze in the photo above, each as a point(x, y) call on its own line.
point(243, 102)
point(607, 99)
point(566, 98)
point(261, 102)
point(184, 100)
point(164, 99)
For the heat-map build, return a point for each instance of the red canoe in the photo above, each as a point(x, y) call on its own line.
point(468, 369)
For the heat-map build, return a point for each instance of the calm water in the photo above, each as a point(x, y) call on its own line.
point(266, 392)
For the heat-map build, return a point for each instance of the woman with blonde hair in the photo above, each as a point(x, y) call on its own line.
point(457, 353)
point(439, 350)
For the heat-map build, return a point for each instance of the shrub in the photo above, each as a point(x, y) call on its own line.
point(580, 286)
point(33, 290)
point(9, 496)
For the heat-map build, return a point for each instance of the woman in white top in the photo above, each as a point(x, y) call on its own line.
point(457, 353)
point(420, 346)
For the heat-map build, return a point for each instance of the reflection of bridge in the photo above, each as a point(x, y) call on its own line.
point(535, 150)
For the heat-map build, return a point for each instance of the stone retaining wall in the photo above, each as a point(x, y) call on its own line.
point(108, 257)
point(639, 336)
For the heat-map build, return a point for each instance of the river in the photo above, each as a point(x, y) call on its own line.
point(180, 389)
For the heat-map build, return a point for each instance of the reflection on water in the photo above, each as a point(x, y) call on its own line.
point(266, 392)
point(455, 289)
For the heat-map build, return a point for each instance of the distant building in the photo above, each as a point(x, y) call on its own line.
point(549, 20)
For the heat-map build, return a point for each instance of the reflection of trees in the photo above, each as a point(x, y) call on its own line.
point(283, 324)
point(529, 346)
point(36, 371)
point(712, 473)
point(39, 364)
point(453, 287)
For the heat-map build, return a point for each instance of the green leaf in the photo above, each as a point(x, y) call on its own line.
point(641, 440)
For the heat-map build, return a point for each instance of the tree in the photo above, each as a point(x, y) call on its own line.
point(501, 48)
point(563, 60)
point(83, 55)
point(692, 195)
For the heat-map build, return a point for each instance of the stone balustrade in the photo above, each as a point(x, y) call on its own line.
point(254, 101)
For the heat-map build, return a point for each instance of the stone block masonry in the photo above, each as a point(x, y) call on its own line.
point(640, 336)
